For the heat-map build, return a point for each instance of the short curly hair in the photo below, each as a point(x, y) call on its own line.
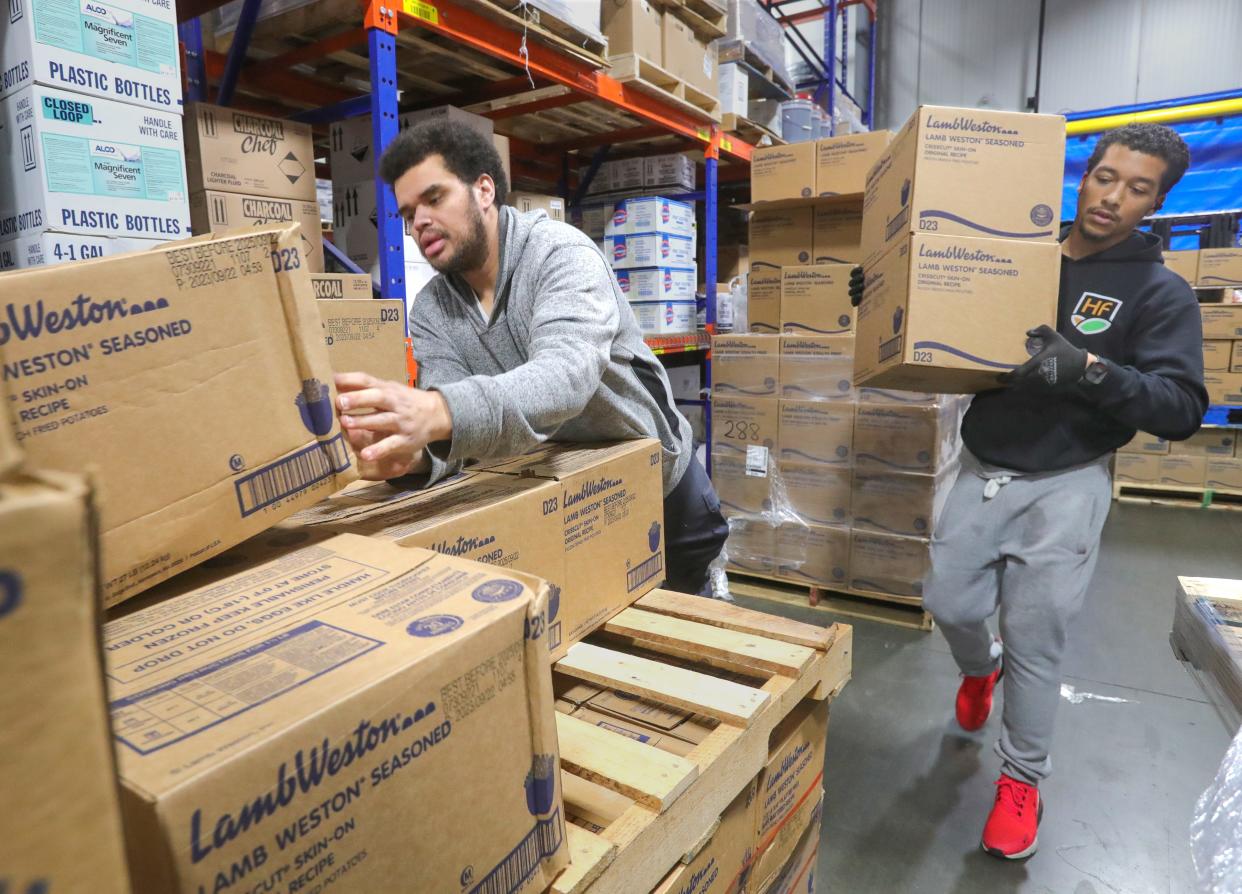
point(1150, 139)
point(466, 153)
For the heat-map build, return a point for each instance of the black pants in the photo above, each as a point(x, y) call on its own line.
point(694, 531)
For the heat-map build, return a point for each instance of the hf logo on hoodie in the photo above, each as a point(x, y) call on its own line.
point(1094, 313)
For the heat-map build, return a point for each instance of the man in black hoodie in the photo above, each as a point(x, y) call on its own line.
point(1020, 531)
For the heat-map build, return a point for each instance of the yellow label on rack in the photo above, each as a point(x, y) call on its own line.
point(705, 134)
point(726, 144)
point(421, 10)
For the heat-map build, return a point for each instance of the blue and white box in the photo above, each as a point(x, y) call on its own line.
point(651, 214)
point(126, 52)
point(665, 317)
point(649, 250)
point(658, 283)
point(80, 164)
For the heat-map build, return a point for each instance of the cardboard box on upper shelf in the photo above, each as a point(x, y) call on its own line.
point(815, 300)
point(219, 212)
point(236, 429)
point(58, 773)
point(686, 57)
point(384, 673)
point(781, 238)
point(950, 171)
point(670, 171)
point(1219, 267)
point(128, 54)
point(231, 150)
point(90, 166)
point(633, 26)
point(950, 313)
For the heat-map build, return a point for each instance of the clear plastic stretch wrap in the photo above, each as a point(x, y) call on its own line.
point(1216, 828)
point(761, 33)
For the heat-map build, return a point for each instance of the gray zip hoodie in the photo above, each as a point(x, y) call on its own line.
point(561, 359)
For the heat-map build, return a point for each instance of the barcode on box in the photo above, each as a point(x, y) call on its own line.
point(890, 348)
point(512, 872)
point(640, 574)
point(291, 474)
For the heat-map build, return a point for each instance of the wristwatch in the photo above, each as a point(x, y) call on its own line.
point(1095, 372)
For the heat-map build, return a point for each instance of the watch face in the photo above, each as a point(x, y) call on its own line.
point(1096, 372)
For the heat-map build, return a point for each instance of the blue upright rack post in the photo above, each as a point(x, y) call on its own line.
point(711, 158)
point(381, 25)
point(191, 34)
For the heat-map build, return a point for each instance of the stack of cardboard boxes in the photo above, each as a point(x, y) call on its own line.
point(1208, 459)
point(1206, 637)
point(824, 483)
point(650, 242)
point(248, 170)
point(630, 178)
point(1222, 353)
point(663, 38)
point(90, 132)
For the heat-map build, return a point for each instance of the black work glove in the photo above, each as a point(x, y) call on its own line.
point(1055, 367)
point(856, 286)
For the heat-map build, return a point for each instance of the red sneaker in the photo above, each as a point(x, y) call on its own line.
point(1012, 830)
point(974, 699)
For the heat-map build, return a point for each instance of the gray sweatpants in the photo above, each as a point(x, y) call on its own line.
point(1026, 545)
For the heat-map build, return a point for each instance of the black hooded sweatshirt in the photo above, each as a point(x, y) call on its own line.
point(1142, 319)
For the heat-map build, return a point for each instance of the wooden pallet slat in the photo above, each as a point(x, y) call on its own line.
point(849, 603)
point(651, 777)
point(643, 74)
point(689, 639)
point(681, 688)
point(1177, 496)
point(731, 617)
point(590, 856)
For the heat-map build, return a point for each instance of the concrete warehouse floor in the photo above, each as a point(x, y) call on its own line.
point(907, 791)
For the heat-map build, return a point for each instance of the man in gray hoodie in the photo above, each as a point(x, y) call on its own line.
point(524, 336)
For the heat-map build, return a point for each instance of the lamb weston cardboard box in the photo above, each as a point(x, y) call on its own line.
point(746, 365)
point(1217, 354)
point(949, 313)
point(741, 423)
point(902, 398)
point(1224, 389)
point(781, 238)
point(1221, 320)
point(751, 547)
point(1137, 468)
point(812, 554)
point(783, 172)
point(1219, 267)
point(686, 57)
point(1235, 362)
point(815, 300)
point(231, 150)
point(1182, 471)
point(1212, 442)
point(126, 53)
point(721, 865)
point(1223, 474)
point(898, 438)
point(842, 163)
point(817, 494)
point(817, 367)
point(943, 172)
point(219, 212)
point(285, 716)
point(797, 876)
point(889, 564)
point(366, 335)
point(1184, 263)
point(60, 829)
point(192, 379)
point(95, 167)
point(740, 492)
point(838, 234)
point(816, 431)
point(898, 502)
point(791, 781)
point(586, 519)
point(763, 300)
point(341, 285)
point(1145, 443)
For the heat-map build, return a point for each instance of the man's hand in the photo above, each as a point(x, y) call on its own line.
point(389, 440)
point(856, 286)
point(1055, 367)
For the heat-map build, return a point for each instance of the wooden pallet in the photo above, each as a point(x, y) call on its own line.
point(660, 806)
point(1176, 497)
point(886, 609)
point(706, 19)
point(637, 72)
point(547, 22)
point(755, 134)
